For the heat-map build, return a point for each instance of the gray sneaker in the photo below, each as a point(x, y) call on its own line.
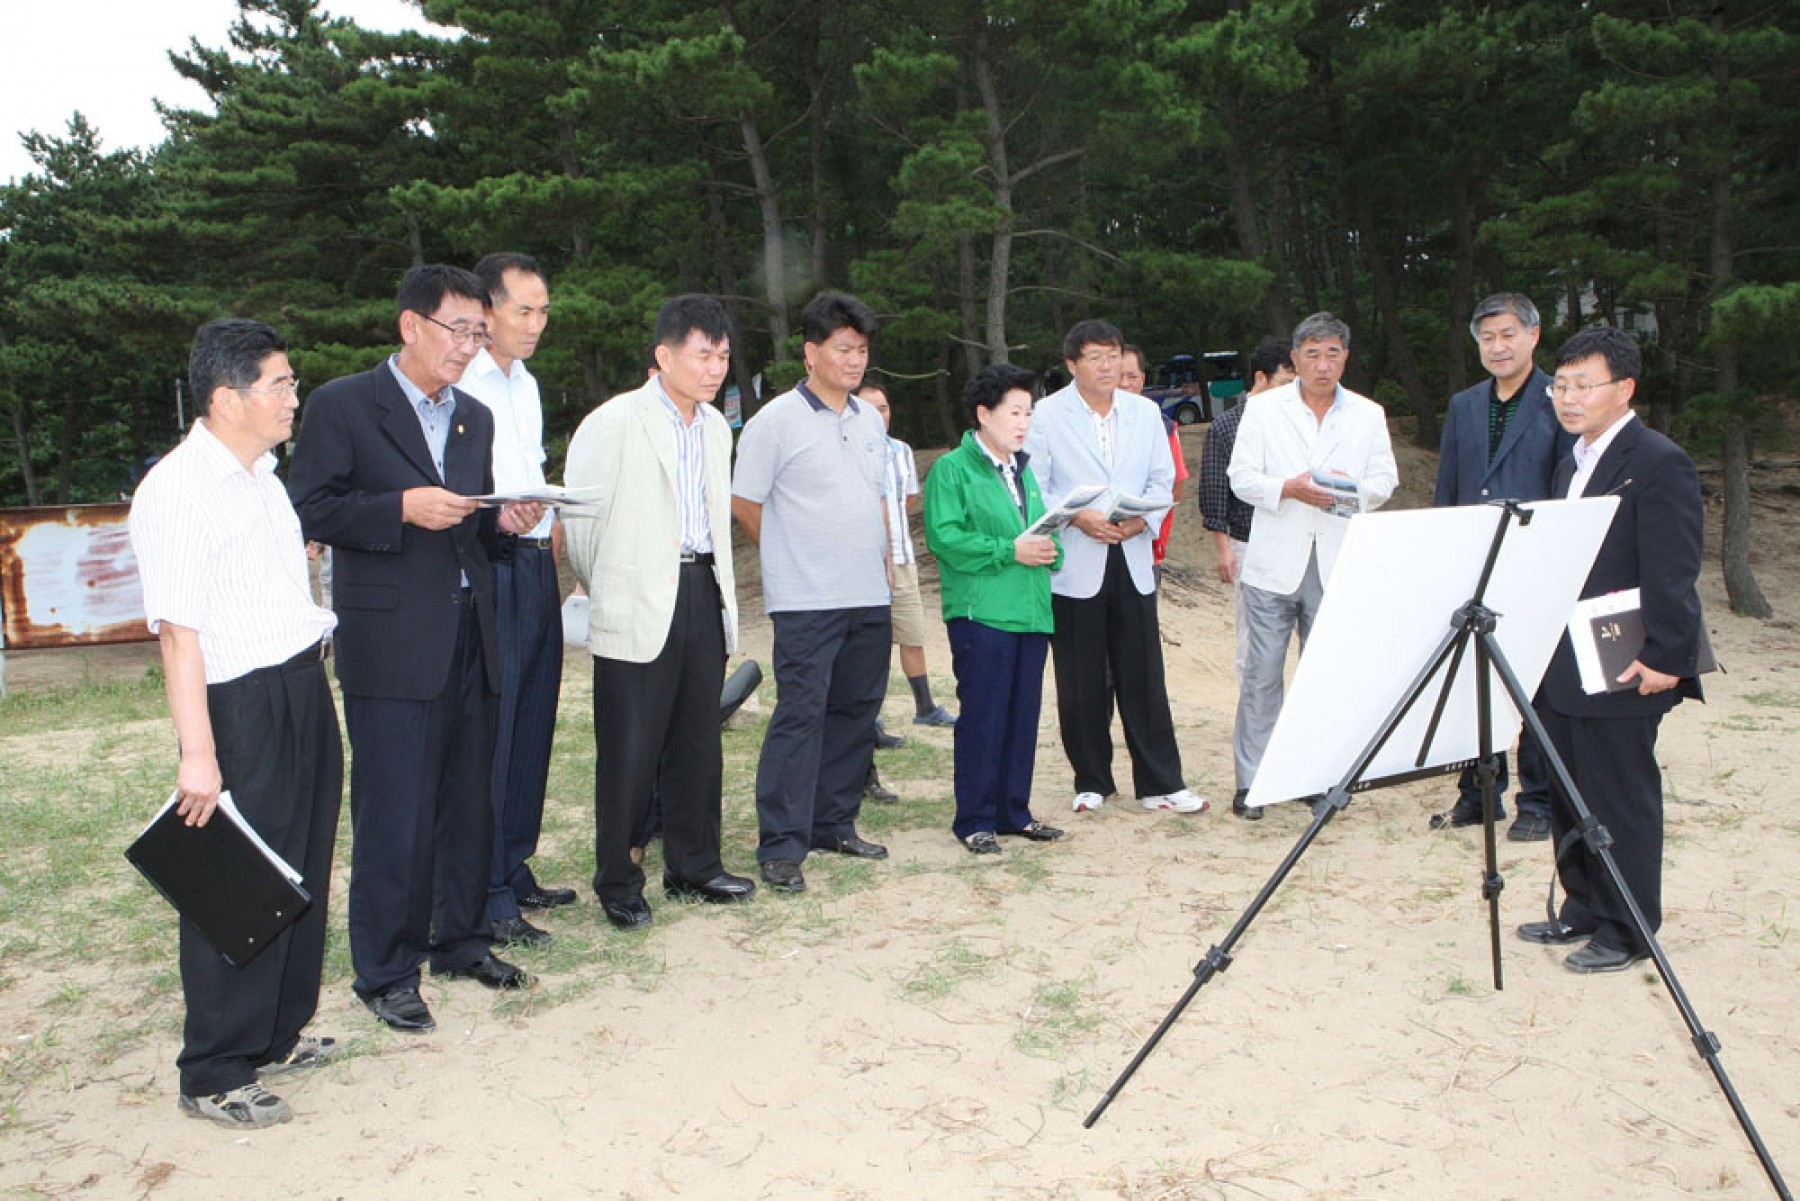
point(250, 1106)
point(309, 1052)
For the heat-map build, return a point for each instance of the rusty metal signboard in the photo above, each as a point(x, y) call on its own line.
point(68, 577)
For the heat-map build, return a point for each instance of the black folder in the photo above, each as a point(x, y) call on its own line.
point(1619, 639)
point(222, 877)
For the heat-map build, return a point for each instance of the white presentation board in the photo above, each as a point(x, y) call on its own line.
point(1399, 580)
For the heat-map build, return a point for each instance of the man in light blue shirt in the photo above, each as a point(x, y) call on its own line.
point(1107, 645)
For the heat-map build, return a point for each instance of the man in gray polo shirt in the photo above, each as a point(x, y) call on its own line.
point(808, 492)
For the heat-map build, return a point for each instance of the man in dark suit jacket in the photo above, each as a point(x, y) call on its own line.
point(381, 473)
point(1501, 442)
point(1608, 740)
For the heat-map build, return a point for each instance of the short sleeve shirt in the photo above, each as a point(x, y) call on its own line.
point(902, 482)
point(819, 477)
point(219, 551)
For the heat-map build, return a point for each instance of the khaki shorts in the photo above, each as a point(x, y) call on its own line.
point(909, 610)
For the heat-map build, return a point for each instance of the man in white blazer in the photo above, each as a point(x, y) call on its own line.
point(1289, 438)
point(1107, 645)
point(654, 553)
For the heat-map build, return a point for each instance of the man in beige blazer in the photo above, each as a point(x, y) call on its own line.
point(654, 553)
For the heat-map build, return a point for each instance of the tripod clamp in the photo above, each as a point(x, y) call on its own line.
point(1215, 961)
point(1476, 618)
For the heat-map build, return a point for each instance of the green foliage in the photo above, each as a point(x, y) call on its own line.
point(986, 172)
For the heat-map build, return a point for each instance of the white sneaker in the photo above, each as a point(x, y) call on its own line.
point(1086, 801)
point(1185, 801)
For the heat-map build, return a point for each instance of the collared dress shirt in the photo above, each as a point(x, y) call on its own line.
point(434, 418)
point(1587, 457)
point(1278, 439)
point(690, 476)
point(219, 551)
point(513, 398)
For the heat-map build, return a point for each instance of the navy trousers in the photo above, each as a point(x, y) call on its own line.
point(831, 669)
point(529, 624)
point(281, 757)
point(422, 830)
point(1000, 686)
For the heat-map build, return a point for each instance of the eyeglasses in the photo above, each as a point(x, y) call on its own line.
point(466, 335)
point(281, 387)
point(1562, 388)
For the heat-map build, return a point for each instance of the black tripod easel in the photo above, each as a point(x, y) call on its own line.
point(1472, 624)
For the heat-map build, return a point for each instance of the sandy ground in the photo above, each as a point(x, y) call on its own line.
point(939, 1025)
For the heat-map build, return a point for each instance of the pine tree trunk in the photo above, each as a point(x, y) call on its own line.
point(23, 445)
point(1745, 594)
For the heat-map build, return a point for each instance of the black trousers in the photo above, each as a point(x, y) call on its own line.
point(1613, 762)
point(1108, 648)
point(656, 729)
point(276, 735)
point(831, 668)
point(422, 830)
point(528, 621)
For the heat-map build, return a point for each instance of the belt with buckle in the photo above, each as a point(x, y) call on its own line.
point(688, 556)
point(535, 543)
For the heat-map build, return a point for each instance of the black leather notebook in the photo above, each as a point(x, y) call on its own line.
point(1618, 640)
point(222, 877)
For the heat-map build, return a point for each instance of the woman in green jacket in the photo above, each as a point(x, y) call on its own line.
point(996, 586)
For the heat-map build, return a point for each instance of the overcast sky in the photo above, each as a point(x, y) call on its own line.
point(109, 60)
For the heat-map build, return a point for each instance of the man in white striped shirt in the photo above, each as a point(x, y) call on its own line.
point(225, 583)
point(654, 552)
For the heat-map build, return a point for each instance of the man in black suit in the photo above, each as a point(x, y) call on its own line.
point(1501, 442)
point(381, 473)
point(1608, 740)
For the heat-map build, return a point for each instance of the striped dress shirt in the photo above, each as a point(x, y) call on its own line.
point(690, 477)
point(219, 551)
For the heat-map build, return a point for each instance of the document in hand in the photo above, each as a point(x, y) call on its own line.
point(1607, 634)
point(1063, 511)
point(1345, 500)
point(1116, 505)
point(1123, 507)
point(550, 496)
point(222, 877)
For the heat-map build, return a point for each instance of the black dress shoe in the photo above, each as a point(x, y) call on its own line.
point(982, 842)
point(539, 897)
point(1239, 809)
point(854, 846)
point(491, 971)
point(516, 931)
point(1036, 832)
point(875, 790)
point(633, 913)
point(1464, 815)
point(885, 741)
point(783, 875)
point(403, 1009)
point(1597, 958)
point(1529, 827)
point(722, 889)
point(1552, 934)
